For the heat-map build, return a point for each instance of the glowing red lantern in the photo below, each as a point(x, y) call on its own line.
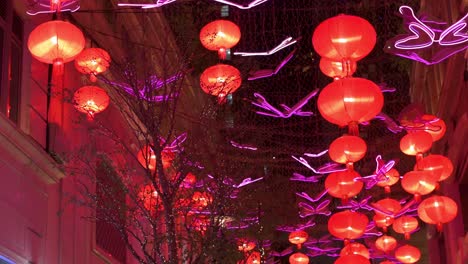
point(298, 237)
point(298, 258)
point(189, 180)
point(352, 259)
point(386, 243)
point(388, 204)
point(387, 262)
point(220, 80)
point(90, 100)
point(416, 143)
point(436, 164)
point(355, 249)
point(347, 225)
point(56, 42)
point(407, 254)
point(391, 177)
point(336, 69)
point(347, 149)
point(147, 158)
point(220, 35)
point(254, 258)
point(92, 61)
point(429, 123)
point(438, 209)
point(150, 198)
point(245, 245)
point(350, 101)
point(201, 199)
point(405, 225)
point(419, 183)
point(343, 184)
point(200, 223)
point(344, 37)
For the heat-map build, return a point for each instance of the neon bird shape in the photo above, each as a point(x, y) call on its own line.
point(50, 6)
point(306, 209)
point(381, 170)
point(287, 112)
point(157, 3)
point(421, 37)
point(290, 229)
point(242, 146)
point(248, 6)
point(269, 72)
point(284, 44)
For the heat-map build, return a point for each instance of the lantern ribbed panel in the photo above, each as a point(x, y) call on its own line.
point(220, 34)
point(347, 224)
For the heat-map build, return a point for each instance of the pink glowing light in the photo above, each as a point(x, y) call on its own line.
point(449, 41)
point(285, 43)
point(314, 199)
point(157, 3)
point(48, 6)
point(289, 229)
point(269, 72)
point(306, 209)
point(242, 146)
point(248, 6)
point(327, 168)
point(287, 112)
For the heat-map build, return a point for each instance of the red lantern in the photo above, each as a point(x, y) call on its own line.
point(419, 183)
point(90, 100)
point(347, 225)
point(436, 164)
point(336, 69)
point(429, 123)
point(92, 61)
point(350, 100)
point(298, 237)
point(220, 35)
point(344, 37)
point(355, 249)
point(56, 42)
point(201, 199)
point(245, 245)
point(147, 158)
point(416, 143)
point(298, 258)
point(405, 225)
point(391, 177)
point(254, 258)
point(200, 223)
point(347, 149)
point(438, 209)
point(189, 180)
point(387, 262)
point(220, 80)
point(352, 259)
point(386, 243)
point(150, 198)
point(388, 204)
point(407, 254)
point(343, 184)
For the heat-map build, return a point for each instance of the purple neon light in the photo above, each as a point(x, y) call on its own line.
point(43, 7)
point(242, 146)
point(174, 146)
point(354, 205)
point(268, 72)
point(248, 6)
point(314, 199)
point(327, 168)
point(289, 229)
point(306, 210)
point(288, 111)
point(157, 3)
point(285, 43)
point(381, 170)
point(449, 41)
point(299, 177)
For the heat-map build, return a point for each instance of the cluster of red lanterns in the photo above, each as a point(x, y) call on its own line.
point(221, 79)
point(57, 42)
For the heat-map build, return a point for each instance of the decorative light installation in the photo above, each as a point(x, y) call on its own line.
point(405, 225)
point(438, 165)
point(344, 38)
point(147, 158)
point(201, 199)
point(443, 42)
point(437, 210)
point(335, 69)
point(407, 254)
point(56, 42)
point(343, 184)
point(416, 143)
point(52, 6)
point(352, 259)
point(298, 258)
point(386, 243)
point(254, 258)
point(298, 238)
point(150, 199)
point(390, 205)
point(350, 101)
point(92, 61)
point(355, 249)
point(347, 225)
point(220, 35)
point(390, 178)
point(220, 80)
point(429, 123)
point(419, 183)
point(347, 149)
point(245, 245)
point(90, 100)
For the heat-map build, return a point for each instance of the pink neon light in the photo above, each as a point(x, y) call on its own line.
point(157, 3)
point(285, 43)
point(287, 112)
point(242, 146)
point(269, 72)
point(449, 41)
point(306, 209)
point(46, 7)
point(248, 6)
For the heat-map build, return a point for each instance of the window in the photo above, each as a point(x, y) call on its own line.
point(110, 198)
point(11, 44)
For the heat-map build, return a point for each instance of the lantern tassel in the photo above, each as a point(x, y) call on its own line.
point(407, 236)
point(222, 53)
